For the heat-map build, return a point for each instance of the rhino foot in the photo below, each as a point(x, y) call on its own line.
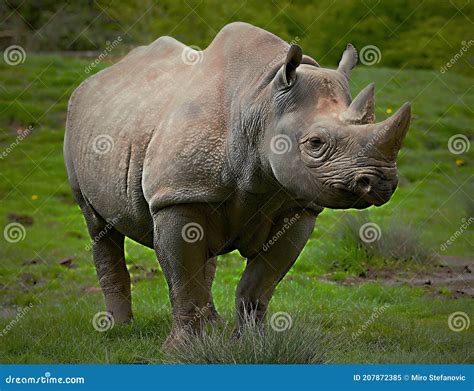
point(215, 319)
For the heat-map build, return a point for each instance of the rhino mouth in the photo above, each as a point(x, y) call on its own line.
point(382, 193)
point(361, 200)
point(365, 202)
point(377, 199)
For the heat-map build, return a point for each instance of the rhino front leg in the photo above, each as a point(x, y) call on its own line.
point(181, 246)
point(210, 272)
point(263, 272)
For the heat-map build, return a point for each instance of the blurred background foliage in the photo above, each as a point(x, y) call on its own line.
point(409, 33)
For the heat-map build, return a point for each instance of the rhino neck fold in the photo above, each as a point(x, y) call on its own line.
point(246, 162)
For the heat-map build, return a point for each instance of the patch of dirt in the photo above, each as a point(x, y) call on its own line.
point(75, 235)
point(34, 261)
point(68, 262)
point(451, 273)
point(28, 281)
point(8, 312)
point(18, 129)
point(22, 219)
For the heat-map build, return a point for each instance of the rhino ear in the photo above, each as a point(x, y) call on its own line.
point(348, 60)
point(293, 60)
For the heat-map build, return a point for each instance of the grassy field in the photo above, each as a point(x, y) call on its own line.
point(349, 302)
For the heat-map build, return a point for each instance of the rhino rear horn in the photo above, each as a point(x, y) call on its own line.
point(348, 60)
point(293, 61)
point(362, 108)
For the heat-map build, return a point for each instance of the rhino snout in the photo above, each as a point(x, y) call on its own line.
point(374, 189)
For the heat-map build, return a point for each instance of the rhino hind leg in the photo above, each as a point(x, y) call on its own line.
point(109, 259)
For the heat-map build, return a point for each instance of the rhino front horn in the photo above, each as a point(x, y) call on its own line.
point(388, 135)
point(361, 110)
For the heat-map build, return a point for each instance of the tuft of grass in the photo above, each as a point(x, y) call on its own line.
point(394, 239)
point(303, 342)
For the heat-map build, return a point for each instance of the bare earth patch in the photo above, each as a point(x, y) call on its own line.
point(450, 273)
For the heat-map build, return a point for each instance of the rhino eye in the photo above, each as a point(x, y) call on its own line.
point(315, 142)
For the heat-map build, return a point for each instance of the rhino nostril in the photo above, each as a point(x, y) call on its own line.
point(364, 183)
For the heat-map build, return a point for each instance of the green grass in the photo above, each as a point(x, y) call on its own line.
point(412, 328)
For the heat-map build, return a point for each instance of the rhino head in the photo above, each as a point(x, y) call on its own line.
point(324, 147)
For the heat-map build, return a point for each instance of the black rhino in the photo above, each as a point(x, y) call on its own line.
point(239, 146)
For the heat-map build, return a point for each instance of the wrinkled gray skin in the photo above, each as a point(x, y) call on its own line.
point(233, 146)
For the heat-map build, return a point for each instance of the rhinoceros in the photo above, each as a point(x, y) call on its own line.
point(236, 147)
